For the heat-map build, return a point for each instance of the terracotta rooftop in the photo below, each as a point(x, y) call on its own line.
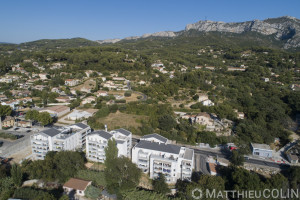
point(212, 167)
point(78, 184)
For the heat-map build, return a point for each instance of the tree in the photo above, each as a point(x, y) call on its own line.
point(64, 197)
point(45, 118)
point(92, 192)
point(166, 122)
point(5, 110)
point(196, 97)
point(32, 115)
point(159, 184)
point(237, 158)
point(111, 152)
point(16, 175)
point(143, 194)
point(120, 173)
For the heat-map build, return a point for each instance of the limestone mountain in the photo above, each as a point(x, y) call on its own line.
point(285, 30)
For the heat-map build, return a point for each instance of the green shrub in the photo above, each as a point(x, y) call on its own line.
point(92, 192)
point(127, 94)
point(8, 136)
point(95, 176)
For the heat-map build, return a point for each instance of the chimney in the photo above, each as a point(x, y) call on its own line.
point(105, 127)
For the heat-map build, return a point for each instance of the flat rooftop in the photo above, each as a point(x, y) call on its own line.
point(260, 146)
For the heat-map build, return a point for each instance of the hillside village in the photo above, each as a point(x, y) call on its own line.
point(176, 115)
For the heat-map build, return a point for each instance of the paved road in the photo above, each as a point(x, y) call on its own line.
point(200, 164)
point(250, 161)
point(144, 97)
point(226, 155)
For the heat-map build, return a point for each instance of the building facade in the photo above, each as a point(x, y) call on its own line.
point(67, 138)
point(98, 140)
point(261, 150)
point(173, 161)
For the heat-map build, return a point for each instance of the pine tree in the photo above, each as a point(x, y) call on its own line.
point(159, 184)
point(16, 175)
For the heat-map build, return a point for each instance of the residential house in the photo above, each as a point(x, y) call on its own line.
point(265, 79)
point(142, 82)
point(56, 111)
point(63, 99)
point(85, 89)
point(157, 64)
point(236, 69)
point(101, 93)
point(76, 185)
point(89, 73)
point(207, 102)
point(8, 121)
point(240, 115)
point(71, 82)
point(40, 87)
point(173, 161)
point(69, 138)
point(89, 99)
point(57, 66)
point(212, 169)
point(204, 118)
point(43, 76)
point(98, 140)
point(25, 100)
point(295, 87)
point(24, 123)
point(261, 150)
point(3, 97)
point(293, 153)
point(119, 97)
point(119, 79)
point(56, 90)
point(81, 114)
point(12, 103)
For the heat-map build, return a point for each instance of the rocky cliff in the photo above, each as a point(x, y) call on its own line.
point(285, 28)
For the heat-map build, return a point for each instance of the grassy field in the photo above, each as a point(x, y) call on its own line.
point(133, 96)
point(87, 84)
point(122, 120)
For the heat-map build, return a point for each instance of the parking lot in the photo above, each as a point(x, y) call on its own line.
point(11, 147)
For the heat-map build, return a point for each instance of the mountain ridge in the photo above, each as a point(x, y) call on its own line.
point(284, 28)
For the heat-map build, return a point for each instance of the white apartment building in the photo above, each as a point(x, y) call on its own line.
point(173, 161)
point(98, 140)
point(67, 138)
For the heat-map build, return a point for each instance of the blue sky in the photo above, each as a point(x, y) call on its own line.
point(28, 20)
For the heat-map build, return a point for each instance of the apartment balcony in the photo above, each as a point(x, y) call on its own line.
point(39, 144)
point(166, 170)
point(142, 161)
point(167, 165)
point(40, 148)
point(142, 156)
point(157, 163)
point(143, 166)
point(37, 140)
